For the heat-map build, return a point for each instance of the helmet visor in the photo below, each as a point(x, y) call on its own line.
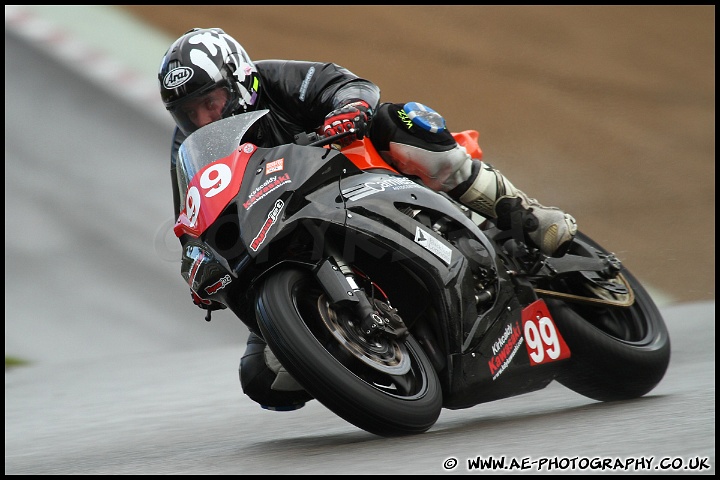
point(203, 108)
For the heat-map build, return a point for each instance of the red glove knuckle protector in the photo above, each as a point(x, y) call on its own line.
point(352, 116)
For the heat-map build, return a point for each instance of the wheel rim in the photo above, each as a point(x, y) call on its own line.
point(380, 352)
point(394, 371)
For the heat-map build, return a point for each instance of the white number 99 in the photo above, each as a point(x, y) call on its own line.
point(542, 338)
point(215, 179)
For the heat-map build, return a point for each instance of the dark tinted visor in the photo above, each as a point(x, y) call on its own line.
point(201, 108)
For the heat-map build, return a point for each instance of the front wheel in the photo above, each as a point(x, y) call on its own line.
point(384, 386)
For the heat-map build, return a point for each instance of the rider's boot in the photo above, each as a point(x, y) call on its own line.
point(491, 194)
point(267, 382)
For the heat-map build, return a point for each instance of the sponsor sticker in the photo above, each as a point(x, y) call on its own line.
point(504, 349)
point(274, 166)
point(222, 283)
point(269, 222)
point(433, 245)
point(370, 188)
point(269, 185)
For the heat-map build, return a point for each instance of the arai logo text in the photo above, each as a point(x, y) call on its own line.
point(177, 76)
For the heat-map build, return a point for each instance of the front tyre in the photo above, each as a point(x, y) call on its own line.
point(364, 389)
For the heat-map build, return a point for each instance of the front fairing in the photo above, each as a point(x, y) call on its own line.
point(216, 170)
point(210, 143)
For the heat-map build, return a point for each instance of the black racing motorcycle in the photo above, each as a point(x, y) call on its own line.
point(388, 301)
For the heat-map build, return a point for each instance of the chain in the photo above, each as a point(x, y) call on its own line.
point(579, 298)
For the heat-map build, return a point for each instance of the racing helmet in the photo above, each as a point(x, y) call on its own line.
point(198, 62)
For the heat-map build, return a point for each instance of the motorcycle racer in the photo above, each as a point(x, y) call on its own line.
point(206, 75)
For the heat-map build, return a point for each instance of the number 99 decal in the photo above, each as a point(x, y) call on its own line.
point(542, 338)
point(213, 180)
point(192, 205)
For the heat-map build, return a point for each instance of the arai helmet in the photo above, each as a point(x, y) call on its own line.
point(200, 61)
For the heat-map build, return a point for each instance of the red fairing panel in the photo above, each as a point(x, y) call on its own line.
point(211, 190)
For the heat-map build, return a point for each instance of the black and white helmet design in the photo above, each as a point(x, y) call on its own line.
point(201, 60)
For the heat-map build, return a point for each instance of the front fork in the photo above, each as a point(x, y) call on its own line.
point(338, 281)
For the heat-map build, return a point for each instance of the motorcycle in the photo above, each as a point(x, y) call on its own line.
point(388, 301)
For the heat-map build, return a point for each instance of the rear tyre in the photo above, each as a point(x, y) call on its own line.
point(617, 353)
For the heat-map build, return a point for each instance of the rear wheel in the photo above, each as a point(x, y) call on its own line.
point(382, 385)
point(620, 344)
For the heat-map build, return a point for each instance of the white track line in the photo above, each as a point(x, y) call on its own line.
point(90, 62)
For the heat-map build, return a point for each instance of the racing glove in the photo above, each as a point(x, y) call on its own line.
point(355, 115)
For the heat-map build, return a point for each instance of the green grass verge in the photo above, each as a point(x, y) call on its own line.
point(14, 362)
